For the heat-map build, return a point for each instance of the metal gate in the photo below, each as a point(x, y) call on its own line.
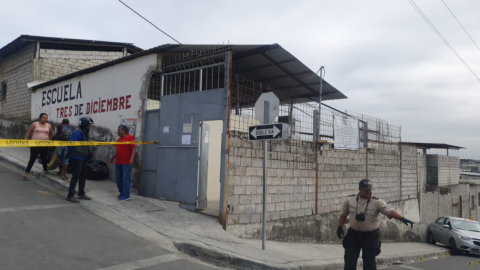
point(176, 169)
point(178, 149)
point(149, 176)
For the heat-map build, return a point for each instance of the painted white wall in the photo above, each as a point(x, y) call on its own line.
point(460, 189)
point(124, 81)
point(214, 159)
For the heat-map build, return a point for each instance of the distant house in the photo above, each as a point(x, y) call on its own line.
point(34, 59)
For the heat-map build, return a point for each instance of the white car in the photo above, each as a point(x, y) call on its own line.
point(461, 235)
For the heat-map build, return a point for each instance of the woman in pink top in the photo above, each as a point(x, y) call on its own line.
point(41, 131)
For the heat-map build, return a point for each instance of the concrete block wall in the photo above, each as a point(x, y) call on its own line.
point(465, 210)
point(291, 180)
point(339, 174)
point(384, 171)
point(422, 172)
point(443, 170)
point(17, 70)
point(475, 211)
point(322, 228)
point(434, 205)
point(56, 63)
point(410, 179)
point(22, 67)
point(398, 173)
point(291, 177)
point(341, 170)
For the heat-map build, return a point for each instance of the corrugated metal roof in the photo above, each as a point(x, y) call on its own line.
point(271, 63)
point(260, 62)
point(433, 145)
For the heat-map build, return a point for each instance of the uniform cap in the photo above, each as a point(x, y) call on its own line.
point(365, 184)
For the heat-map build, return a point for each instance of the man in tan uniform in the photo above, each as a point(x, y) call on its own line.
point(363, 210)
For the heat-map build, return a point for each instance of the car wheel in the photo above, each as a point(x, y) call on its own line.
point(453, 247)
point(431, 240)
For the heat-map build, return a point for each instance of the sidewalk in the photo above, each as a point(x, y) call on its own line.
point(201, 236)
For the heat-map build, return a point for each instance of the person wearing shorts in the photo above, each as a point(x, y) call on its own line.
point(63, 161)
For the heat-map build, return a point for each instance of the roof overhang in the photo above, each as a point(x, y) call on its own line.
point(274, 66)
point(433, 145)
point(269, 64)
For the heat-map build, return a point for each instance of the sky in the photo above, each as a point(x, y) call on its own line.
point(381, 54)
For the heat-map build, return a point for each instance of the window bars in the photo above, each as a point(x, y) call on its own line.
point(184, 74)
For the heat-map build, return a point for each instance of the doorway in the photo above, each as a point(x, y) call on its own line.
point(214, 162)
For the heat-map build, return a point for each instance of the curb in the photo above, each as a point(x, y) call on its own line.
point(220, 257)
point(217, 256)
point(407, 258)
point(39, 175)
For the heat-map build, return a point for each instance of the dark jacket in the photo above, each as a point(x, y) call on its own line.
point(79, 152)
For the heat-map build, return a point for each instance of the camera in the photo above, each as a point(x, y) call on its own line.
point(360, 217)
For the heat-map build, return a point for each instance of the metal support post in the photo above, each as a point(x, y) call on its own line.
point(320, 103)
point(161, 86)
point(200, 82)
point(266, 116)
point(315, 125)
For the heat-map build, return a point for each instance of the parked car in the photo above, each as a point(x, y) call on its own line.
point(461, 235)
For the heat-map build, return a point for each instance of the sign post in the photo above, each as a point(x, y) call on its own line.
point(266, 110)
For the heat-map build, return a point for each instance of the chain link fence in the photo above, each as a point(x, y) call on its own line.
point(300, 115)
point(379, 130)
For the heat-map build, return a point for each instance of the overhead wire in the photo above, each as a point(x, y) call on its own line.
point(461, 25)
point(441, 37)
point(156, 26)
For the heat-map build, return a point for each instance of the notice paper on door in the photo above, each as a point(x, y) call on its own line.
point(186, 139)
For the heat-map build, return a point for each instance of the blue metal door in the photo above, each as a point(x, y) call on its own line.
point(149, 176)
point(178, 149)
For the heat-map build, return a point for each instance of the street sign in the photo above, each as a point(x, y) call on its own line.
point(268, 132)
point(266, 110)
point(274, 107)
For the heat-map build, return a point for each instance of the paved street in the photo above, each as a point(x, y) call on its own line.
point(41, 230)
point(452, 262)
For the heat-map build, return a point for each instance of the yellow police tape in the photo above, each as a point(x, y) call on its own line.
point(40, 143)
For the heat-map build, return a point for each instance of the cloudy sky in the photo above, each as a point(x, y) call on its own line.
point(381, 54)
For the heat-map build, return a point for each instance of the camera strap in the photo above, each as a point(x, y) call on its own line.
point(356, 211)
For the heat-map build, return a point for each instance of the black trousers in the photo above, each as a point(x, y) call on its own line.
point(34, 151)
point(79, 168)
point(369, 243)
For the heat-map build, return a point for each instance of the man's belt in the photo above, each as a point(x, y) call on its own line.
point(350, 230)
